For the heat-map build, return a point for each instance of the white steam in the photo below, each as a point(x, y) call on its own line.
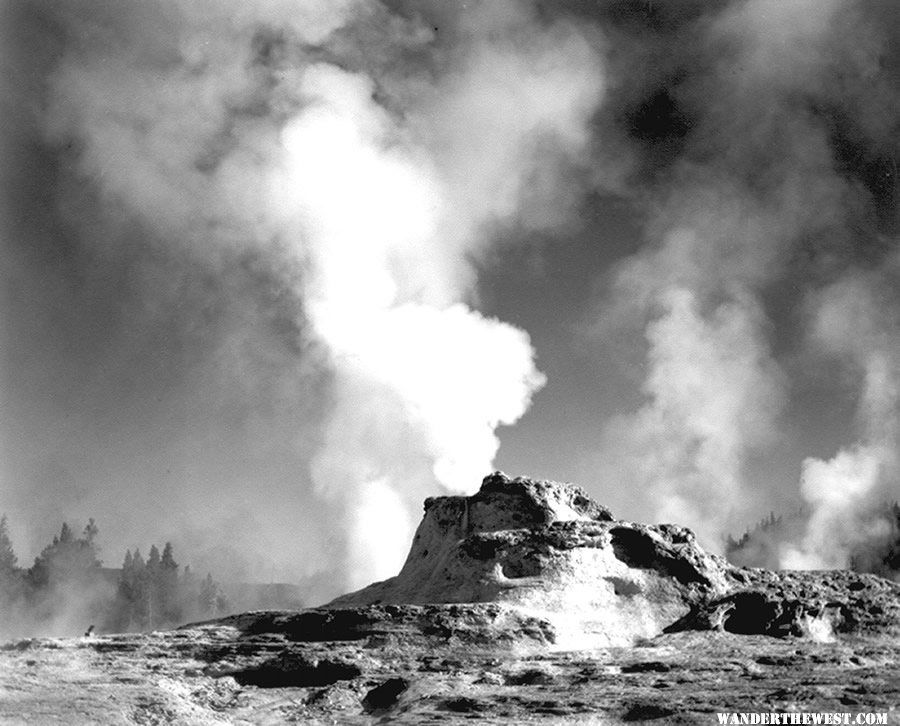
point(713, 393)
point(421, 380)
point(376, 181)
point(755, 180)
point(844, 491)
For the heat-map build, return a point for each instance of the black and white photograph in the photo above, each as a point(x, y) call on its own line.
point(449, 361)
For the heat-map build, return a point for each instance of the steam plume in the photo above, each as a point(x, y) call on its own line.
point(757, 193)
point(249, 252)
point(844, 491)
point(354, 161)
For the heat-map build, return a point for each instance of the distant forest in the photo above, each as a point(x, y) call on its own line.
point(67, 589)
point(760, 545)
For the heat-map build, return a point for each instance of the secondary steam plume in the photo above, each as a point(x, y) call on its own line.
point(357, 156)
point(756, 119)
point(844, 491)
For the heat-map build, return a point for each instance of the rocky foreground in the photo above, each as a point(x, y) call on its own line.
point(527, 602)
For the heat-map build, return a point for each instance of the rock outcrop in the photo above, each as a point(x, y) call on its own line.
point(817, 605)
point(548, 550)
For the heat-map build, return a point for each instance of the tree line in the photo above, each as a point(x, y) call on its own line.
point(68, 588)
point(760, 546)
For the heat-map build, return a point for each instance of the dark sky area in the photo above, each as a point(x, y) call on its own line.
point(273, 272)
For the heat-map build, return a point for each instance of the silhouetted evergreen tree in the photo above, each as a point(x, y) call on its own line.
point(123, 614)
point(66, 559)
point(153, 560)
point(152, 591)
point(212, 599)
point(66, 578)
point(152, 595)
point(169, 595)
point(11, 577)
point(207, 597)
point(139, 573)
point(8, 559)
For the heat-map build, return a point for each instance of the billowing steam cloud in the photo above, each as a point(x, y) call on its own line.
point(420, 385)
point(844, 491)
point(250, 252)
point(356, 159)
point(762, 202)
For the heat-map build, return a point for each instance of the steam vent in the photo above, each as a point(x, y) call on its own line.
point(547, 551)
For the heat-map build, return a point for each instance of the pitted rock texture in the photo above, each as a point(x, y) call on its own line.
point(815, 604)
point(549, 550)
point(258, 669)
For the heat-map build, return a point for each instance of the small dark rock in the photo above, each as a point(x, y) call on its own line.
point(463, 704)
point(385, 695)
point(646, 712)
point(530, 677)
point(647, 667)
point(288, 671)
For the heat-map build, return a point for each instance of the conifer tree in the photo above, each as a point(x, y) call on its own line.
point(66, 559)
point(153, 560)
point(65, 577)
point(123, 616)
point(154, 566)
point(168, 558)
point(169, 600)
point(11, 583)
point(139, 589)
point(8, 557)
point(208, 595)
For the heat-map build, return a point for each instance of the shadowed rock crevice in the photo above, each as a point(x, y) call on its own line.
point(384, 696)
point(290, 670)
point(639, 549)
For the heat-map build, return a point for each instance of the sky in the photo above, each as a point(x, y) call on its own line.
point(273, 272)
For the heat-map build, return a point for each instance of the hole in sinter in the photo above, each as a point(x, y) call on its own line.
point(640, 550)
point(384, 695)
point(752, 613)
point(624, 587)
point(526, 565)
point(282, 673)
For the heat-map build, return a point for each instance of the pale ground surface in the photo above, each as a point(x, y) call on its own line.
point(174, 678)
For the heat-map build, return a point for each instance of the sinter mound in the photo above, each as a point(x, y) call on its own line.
point(548, 551)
